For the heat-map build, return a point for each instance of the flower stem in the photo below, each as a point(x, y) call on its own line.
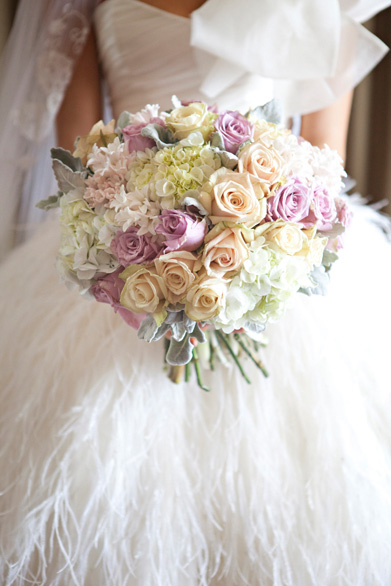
point(176, 373)
point(198, 370)
point(211, 356)
point(235, 358)
point(256, 360)
point(187, 372)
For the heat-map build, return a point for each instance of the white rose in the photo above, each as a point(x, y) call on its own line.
point(144, 290)
point(187, 119)
point(287, 236)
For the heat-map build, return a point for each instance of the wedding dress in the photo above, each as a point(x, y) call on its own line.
point(113, 475)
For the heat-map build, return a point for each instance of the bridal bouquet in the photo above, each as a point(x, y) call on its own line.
point(198, 225)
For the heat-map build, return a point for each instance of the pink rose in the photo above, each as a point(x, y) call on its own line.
point(181, 230)
point(235, 130)
point(130, 248)
point(291, 202)
point(344, 212)
point(134, 139)
point(108, 290)
point(345, 216)
point(324, 211)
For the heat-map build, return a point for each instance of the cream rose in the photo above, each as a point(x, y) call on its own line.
point(234, 198)
point(262, 162)
point(316, 249)
point(187, 119)
point(288, 237)
point(177, 269)
point(205, 298)
point(144, 290)
point(267, 130)
point(225, 251)
point(100, 134)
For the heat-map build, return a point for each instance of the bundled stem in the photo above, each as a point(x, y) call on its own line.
point(251, 355)
point(235, 358)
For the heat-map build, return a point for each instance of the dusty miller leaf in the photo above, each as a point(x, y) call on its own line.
point(124, 120)
point(321, 280)
point(271, 112)
point(328, 259)
point(53, 201)
point(335, 231)
point(198, 334)
point(66, 178)
point(179, 352)
point(66, 157)
point(162, 136)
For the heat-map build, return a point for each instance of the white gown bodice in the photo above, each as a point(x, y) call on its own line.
point(147, 57)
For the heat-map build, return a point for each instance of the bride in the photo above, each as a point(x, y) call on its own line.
point(113, 475)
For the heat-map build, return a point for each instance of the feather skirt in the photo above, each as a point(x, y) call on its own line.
point(113, 475)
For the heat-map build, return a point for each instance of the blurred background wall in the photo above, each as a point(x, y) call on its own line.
point(369, 147)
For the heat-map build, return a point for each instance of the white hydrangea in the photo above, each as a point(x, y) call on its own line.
point(296, 156)
point(83, 254)
point(328, 169)
point(260, 292)
point(135, 209)
point(144, 116)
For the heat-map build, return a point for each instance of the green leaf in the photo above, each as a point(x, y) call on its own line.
point(66, 157)
point(198, 334)
point(271, 112)
point(124, 120)
point(66, 178)
point(179, 352)
point(335, 231)
point(161, 135)
point(329, 259)
point(321, 279)
point(53, 201)
point(217, 141)
point(160, 317)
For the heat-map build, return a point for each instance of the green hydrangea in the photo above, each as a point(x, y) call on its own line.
point(171, 172)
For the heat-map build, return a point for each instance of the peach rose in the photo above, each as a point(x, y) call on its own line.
point(225, 251)
point(262, 162)
point(144, 290)
point(177, 269)
point(100, 134)
point(205, 298)
point(233, 197)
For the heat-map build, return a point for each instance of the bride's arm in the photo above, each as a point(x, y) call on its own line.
point(82, 104)
point(329, 125)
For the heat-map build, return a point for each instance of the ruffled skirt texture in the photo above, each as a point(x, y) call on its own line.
point(113, 475)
